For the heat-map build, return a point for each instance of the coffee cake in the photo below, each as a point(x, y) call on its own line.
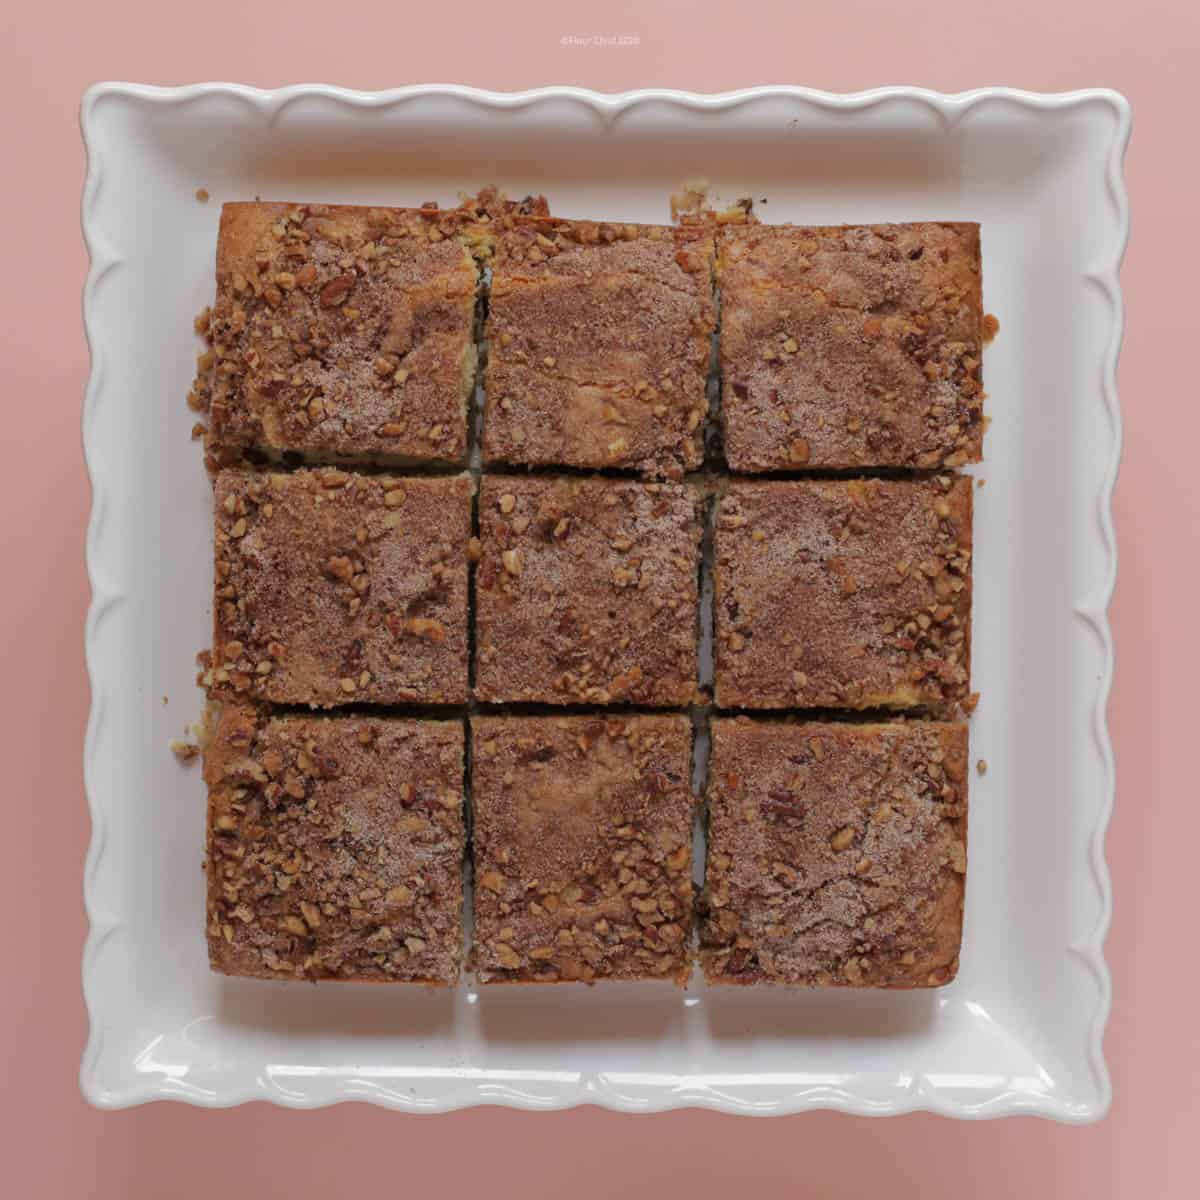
point(843, 594)
point(335, 847)
point(336, 588)
point(599, 340)
point(836, 853)
point(851, 346)
point(583, 848)
point(586, 591)
point(342, 333)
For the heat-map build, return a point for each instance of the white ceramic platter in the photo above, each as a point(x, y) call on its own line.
point(1020, 1030)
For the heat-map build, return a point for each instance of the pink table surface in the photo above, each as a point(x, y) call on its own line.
point(55, 1146)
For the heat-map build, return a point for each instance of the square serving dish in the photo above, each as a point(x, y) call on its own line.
point(1020, 1029)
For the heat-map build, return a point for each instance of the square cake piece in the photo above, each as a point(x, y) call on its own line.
point(836, 853)
point(336, 588)
point(583, 848)
point(599, 341)
point(852, 346)
point(335, 847)
point(843, 594)
point(587, 591)
point(342, 333)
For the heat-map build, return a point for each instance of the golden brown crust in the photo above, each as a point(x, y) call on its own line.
point(851, 346)
point(335, 847)
point(582, 841)
point(586, 591)
point(846, 594)
point(599, 339)
point(836, 854)
point(342, 332)
point(336, 588)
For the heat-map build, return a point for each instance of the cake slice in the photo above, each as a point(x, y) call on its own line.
point(335, 847)
point(856, 346)
point(336, 588)
point(586, 591)
point(599, 340)
point(343, 333)
point(836, 853)
point(582, 844)
point(843, 594)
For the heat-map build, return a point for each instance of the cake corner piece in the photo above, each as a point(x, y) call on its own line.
point(837, 854)
point(852, 347)
point(342, 333)
point(335, 847)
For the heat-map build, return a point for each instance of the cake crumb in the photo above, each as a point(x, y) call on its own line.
point(691, 204)
point(981, 483)
point(186, 752)
point(981, 766)
point(690, 199)
point(202, 195)
point(202, 730)
point(991, 327)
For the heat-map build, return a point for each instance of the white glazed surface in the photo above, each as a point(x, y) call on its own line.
point(1020, 1030)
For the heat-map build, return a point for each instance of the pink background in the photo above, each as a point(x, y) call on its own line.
point(55, 1145)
